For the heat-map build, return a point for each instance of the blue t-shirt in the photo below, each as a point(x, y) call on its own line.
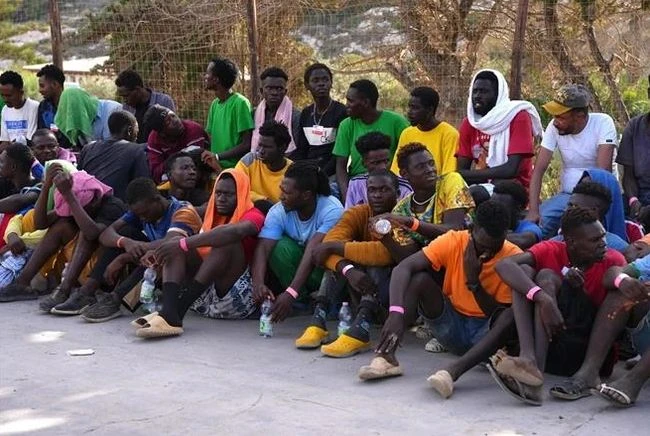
point(612, 240)
point(526, 226)
point(643, 265)
point(158, 230)
point(279, 222)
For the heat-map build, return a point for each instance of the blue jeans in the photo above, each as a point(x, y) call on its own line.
point(551, 212)
point(455, 331)
point(640, 335)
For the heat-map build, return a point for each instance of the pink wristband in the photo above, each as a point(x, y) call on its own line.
point(397, 309)
point(183, 244)
point(119, 242)
point(346, 268)
point(632, 200)
point(291, 292)
point(619, 278)
point(532, 291)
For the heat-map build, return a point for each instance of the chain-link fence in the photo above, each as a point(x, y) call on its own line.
point(398, 43)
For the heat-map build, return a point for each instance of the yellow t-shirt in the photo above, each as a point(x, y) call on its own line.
point(265, 184)
point(441, 142)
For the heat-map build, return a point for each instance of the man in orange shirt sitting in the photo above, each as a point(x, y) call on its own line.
point(465, 310)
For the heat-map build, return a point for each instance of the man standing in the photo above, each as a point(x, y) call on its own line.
point(118, 160)
point(50, 85)
point(585, 140)
point(229, 122)
point(320, 120)
point(137, 99)
point(275, 105)
point(634, 155)
point(364, 117)
point(19, 117)
point(497, 134)
point(439, 137)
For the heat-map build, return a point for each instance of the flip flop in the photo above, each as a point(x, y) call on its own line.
point(157, 327)
point(379, 368)
point(614, 396)
point(515, 389)
point(515, 368)
point(140, 322)
point(570, 390)
point(442, 382)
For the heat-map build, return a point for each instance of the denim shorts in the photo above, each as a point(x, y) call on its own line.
point(641, 335)
point(455, 331)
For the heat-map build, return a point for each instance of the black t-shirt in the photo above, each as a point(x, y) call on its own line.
point(110, 210)
point(318, 142)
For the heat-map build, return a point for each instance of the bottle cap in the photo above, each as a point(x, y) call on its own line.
point(383, 226)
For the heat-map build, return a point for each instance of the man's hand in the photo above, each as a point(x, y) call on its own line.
point(208, 158)
point(167, 250)
point(635, 290)
point(472, 265)
point(552, 318)
point(63, 183)
point(635, 209)
point(361, 282)
point(15, 244)
point(137, 249)
point(149, 259)
point(113, 270)
point(391, 334)
point(575, 278)
point(282, 307)
point(322, 251)
point(260, 292)
point(52, 171)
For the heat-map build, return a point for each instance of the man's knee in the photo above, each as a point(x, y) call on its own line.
point(549, 280)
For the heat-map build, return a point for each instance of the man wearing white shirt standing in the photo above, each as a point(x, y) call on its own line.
point(584, 140)
point(19, 117)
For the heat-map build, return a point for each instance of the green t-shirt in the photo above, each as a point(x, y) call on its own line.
point(226, 122)
point(389, 123)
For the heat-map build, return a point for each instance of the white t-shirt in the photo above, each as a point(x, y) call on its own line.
point(579, 152)
point(19, 122)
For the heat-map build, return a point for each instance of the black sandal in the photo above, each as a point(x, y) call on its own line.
point(571, 390)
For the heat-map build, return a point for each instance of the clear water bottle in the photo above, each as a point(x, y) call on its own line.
point(345, 318)
point(148, 290)
point(266, 327)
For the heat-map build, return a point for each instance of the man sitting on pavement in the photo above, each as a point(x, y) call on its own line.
point(351, 250)
point(585, 140)
point(374, 148)
point(557, 289)
point(137, 99)
point(439, 137)
point(213, 266)
point(513, 196)
point(45, 146)
point(19, 116)
point(50, 85)
point(118, 160)
point(461, 307)
point(182, 179)
point(169, 135)
point(497, 134)
point(266, 167)
point(292, 230)
point(364, 117)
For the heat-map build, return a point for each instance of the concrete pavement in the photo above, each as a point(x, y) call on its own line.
point(220, 377)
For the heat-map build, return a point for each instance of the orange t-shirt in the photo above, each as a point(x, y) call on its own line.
point(447, 251)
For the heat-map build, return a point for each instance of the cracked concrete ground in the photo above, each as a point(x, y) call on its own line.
point(221, 378)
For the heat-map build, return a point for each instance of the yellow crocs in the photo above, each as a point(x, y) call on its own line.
point(312, 337)
point(344, 346)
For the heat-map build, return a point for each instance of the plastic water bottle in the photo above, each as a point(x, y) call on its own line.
point(266, 327)
point(345, 318)
point(64, 272)
point(148, 290)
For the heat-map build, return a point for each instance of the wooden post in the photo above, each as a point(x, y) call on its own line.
point(518, 50)
point(253, 48)
point(55, 31)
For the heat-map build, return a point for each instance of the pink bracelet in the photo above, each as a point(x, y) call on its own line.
point(532, 291)
point(291, 292)
point(345, 269)
point(632, 200)
point(397, 309)
point(619, 278)
point(183, 244)
point(119, 242)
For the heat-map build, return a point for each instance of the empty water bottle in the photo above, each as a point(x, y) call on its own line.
point(345, 318)
point(266, 327)
point(148, 290)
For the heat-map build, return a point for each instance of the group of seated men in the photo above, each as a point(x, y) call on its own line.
point(442, 230)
